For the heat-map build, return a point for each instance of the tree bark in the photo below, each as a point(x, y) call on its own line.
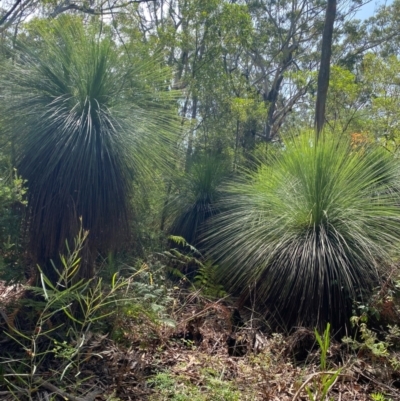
point(271, 98)
point(324, 69)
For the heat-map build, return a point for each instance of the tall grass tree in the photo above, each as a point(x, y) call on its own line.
point(311, 231)
point(87, 119)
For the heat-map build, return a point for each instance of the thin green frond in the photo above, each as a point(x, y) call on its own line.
point(197, 194)
point(87, 120)
point(311, 231)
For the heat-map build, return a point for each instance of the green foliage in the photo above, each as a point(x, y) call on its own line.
point(182, 262)
point(208, 281)
point(322, 384)
point(369, 341)
point(245, 109)
point(323, 343)
point(148, 204)
point(197, 194)
point(375, 326)
point(12, 204)
point(379, 397)
point(145, 304)
point(60, 320)
point(38, 340)
point(346, 101)
point(87, 118)
point(151, 300)
point(179, 388)
point(182, 242)
point(12, 195)
point(381, 77)
point(200, 49)
point(189, 265)
point(320, 390)
point(308, 231)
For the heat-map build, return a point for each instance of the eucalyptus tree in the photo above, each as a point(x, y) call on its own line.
point(230, 53)
point(380, 78)
point(347, 108)
point(204, 42)
point(16, 11)
point(285, 42)
point(88, 118)
point(380, 34)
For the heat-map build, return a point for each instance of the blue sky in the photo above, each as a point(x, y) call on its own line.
point(368, 10)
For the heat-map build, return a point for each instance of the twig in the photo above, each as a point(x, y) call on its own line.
point(62, 393)
point(7, 14)
point(391, 389)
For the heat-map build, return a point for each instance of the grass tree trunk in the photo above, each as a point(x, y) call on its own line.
point(324, 69)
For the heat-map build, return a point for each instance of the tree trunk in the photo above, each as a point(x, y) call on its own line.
point(271, 98)
point(324, 69)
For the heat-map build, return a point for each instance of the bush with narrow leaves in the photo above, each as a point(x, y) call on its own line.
point(311, 231)
point(196, 196)
point(86, 119)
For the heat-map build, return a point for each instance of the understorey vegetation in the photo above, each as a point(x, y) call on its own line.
point(199, 200)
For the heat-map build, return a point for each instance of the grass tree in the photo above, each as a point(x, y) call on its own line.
point(197, 194)
point(311, 231)
point(87, 118)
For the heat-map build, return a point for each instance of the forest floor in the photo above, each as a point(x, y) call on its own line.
point(209, 355)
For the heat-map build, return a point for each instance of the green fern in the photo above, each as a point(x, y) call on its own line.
point(182, 242)
point(207, 279)
point(182, 266)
